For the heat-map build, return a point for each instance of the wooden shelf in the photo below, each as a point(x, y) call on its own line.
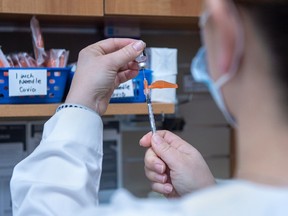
point(47, 110)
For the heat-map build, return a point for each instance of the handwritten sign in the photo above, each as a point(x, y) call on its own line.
point(124, 90)
point(27, 82)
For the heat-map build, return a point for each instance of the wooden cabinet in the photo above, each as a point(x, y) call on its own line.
point(92, 8)
point(164, 14)
point(53, 7)
point(174, 8)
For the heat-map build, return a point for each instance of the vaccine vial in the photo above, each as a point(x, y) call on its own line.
point(141, 59)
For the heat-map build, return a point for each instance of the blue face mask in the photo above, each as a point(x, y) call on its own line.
point(200, 73)
point(199, 67)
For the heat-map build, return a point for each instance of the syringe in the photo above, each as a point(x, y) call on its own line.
point(150, 109)
point(141, 59)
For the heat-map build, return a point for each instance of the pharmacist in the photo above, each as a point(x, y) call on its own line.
point(246, 46)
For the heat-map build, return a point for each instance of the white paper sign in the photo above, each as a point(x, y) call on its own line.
point(27, 82)
point(124, 90)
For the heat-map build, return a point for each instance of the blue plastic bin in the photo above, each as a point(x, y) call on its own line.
point(138, 85)
point(56, 82)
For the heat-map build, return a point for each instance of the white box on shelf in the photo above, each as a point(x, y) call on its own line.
point(166, 95)
point(163, 63)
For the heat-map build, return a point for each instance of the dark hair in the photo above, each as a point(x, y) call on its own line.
point(271, 18)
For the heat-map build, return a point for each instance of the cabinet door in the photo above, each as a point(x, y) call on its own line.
point(53, 7)
point(176, 8)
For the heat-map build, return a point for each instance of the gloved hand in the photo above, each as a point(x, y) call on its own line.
point(174, 167)
point(101, 67)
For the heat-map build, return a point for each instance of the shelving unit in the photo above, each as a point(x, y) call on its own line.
point(170, 14)
point(164, 15)
point(46, 110)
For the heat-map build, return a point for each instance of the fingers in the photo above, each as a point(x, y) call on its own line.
point(111, 45)
point(163, 149)
point(127, 53)
point(168, 136)
point(154, 167)
point(165, 188)
point(155, 170)
point(153, 163)
point(118, 51)
point(155, 177)
point(166, 145)
point(127, 73)
point(145, 141)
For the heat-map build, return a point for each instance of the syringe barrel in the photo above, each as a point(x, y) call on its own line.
point(151, 118)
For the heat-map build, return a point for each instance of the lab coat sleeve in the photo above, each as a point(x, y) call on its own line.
point(62, 175)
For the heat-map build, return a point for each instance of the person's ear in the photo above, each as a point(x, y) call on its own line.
point(221, 35)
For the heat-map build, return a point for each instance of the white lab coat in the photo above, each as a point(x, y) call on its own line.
point(61, 177)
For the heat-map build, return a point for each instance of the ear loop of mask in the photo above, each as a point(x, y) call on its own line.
point(238, 49)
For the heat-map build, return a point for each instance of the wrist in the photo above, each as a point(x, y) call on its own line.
point(73, 105)
point(77, 97)
point(97, 106)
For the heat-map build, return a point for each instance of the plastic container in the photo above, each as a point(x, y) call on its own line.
point(138, 87)
point(56, 82)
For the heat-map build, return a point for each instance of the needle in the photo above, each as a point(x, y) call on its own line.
point(150, 109)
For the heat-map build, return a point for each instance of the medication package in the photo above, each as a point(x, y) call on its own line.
point(42, 57)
